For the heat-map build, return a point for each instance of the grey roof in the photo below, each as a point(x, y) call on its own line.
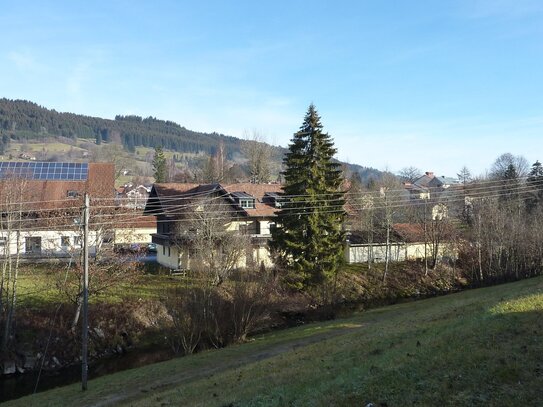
point(428, 181)
point(242, 195)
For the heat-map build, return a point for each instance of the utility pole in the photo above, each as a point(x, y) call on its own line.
point(85, 333)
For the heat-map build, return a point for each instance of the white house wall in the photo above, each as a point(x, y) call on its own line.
point(265, 227)
point(398, 252)
point(261, 255)
point(377, 252)
point(51, 242)
point(125, 236)
point(168, 256)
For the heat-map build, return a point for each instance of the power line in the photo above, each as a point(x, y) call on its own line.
point(296, 209)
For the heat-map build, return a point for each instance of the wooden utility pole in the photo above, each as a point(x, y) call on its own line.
point(85, 327)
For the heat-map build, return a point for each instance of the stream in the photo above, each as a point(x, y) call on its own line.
point(21, 385)
point(17, 386)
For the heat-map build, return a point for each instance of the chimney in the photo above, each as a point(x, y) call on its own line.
point(429, 174)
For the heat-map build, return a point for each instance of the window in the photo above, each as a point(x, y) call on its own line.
point(77, 240)
point(247, 203)
point(3, 241)
point(65, 241)
point(33, 245)
point(163, 228)
point(72, 194)
point(164, 250)
point(243, 228)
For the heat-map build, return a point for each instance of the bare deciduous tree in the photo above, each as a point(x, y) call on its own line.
point(12, 214)
point(464, 176)
point(210, 233)
point(390, 194)
point(409, 174)
point(107, 268)
point(258, 154)
point(504, 162)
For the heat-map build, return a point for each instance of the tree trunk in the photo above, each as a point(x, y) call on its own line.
point(78, 305)
point(387, 252)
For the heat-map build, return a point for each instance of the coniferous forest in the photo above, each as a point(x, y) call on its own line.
point(22, 120)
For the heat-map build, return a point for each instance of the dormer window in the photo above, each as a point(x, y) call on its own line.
point(244, 200)
point(247, 203)
point(273, 198)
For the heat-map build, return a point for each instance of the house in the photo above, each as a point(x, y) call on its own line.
point(26, 156)
point(133, 196)
point(41, 207)
point(132, 230)
point(408, 241)
point(363, 246)
point(242, 209)
point(426, 186)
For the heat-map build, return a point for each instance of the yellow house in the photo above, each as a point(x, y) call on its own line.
point(244, 215)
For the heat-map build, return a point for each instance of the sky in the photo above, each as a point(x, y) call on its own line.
point(431, 84)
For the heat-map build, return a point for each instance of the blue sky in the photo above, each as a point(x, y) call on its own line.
point(433, 84)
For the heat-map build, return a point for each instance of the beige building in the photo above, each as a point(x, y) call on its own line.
point(41, 207)
point(185, 212)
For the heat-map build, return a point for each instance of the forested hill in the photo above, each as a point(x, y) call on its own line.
point(23, 119)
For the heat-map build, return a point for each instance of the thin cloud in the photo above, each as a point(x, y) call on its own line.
point(503, 9)
point(23, 60)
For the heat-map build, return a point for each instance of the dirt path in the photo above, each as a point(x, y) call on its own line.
point(125, 396)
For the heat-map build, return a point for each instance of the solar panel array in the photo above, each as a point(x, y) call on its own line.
point(45, 171)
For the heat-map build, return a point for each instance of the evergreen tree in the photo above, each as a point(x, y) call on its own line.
point(510, 183)
point(159, 165)
point(535, 183)
point(309, 238)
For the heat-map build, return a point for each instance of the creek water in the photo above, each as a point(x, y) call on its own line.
point(16, 386)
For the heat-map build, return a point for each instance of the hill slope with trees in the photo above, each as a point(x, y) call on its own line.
point(26, 121)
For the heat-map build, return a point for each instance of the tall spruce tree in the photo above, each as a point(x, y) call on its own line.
point(159, 165)
point(309, 237)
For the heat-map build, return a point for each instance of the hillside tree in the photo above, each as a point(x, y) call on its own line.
point(159, 165)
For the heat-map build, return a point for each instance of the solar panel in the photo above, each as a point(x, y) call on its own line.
point(45, 171)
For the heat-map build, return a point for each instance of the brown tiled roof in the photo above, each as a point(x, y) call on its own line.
point(409, 232)
point(173, 188)
point(135, 221)
point(172, 197)
point(175, 199)
point(51, 194)
point(257, 191)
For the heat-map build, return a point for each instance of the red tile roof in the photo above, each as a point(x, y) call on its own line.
point(257, 191)
point(51, 194)
point(409, 232)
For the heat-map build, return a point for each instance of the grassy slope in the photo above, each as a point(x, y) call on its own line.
point(480, 347)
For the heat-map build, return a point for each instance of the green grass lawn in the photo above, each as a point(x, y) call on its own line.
point(476, 348)
point(37, 287)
